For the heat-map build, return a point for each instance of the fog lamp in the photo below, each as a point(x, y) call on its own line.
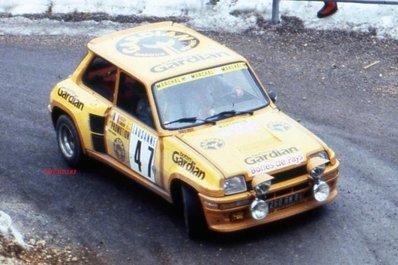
point(321, 191)
point(259, 209)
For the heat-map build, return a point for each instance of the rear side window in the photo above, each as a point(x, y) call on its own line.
point(100, 76)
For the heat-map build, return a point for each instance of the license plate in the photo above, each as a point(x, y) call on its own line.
point(284, 201)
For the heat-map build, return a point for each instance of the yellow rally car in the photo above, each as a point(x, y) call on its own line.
point(188, 118)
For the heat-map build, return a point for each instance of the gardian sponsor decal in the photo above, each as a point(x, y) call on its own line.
point(156, 43)
point(187, 60)
point(188, 164)
point(70, 98)
point(274, 159)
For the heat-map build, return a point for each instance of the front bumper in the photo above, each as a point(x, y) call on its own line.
point(288, 198)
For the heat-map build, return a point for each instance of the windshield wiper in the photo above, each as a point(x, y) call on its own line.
point(183, 120)
point(228, 113)
point(187, 120)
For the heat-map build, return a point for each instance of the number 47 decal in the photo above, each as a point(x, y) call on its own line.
point(142, 151)
point(137, 157)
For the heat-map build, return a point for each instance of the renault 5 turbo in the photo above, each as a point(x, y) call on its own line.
point(189, 119)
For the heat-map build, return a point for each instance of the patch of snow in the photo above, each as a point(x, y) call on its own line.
point(25, 26)
point(9, 232)
point(221, 15)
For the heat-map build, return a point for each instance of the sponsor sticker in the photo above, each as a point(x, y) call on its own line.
point(118, 148)
point(279, 126)
point(156, 43)
point(198, 75)
point(119, 119)
point(280, 162)
point(118, 124)
point(212, 144)
point(188, 164)
point(186, 60)
point(70, 97)
point(274, 159)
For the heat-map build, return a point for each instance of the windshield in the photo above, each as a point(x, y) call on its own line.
point(207, 96)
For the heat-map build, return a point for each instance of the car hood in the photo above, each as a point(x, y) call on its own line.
point(253, 144)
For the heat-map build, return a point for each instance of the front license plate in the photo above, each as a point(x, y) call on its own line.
point(284, 201)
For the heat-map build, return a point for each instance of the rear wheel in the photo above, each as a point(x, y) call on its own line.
point(195, 222)
point(69, 141)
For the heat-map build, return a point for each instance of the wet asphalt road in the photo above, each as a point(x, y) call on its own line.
point(320, 79)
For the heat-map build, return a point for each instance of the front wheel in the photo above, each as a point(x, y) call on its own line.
point(195, 222)
point(68, 141)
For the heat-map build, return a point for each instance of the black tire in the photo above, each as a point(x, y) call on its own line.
point(68, 141)
point(195, 222)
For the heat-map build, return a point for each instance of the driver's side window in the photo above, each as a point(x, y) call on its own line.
point(133, 99)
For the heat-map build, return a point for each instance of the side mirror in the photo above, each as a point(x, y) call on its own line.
point(273, 96)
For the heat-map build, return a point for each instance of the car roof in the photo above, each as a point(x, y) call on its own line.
point(156, 51)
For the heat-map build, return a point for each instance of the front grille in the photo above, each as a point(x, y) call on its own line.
point(283, 176)
point(288, 196)
point(289, 174)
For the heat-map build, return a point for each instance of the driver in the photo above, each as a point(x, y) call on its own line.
point(218, 93)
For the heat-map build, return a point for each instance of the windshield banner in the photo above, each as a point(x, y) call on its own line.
point(199, 75)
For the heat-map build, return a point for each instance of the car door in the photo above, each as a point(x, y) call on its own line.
point(131, 138)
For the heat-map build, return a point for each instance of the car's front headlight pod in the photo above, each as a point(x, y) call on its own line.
point(316, 167)
point(234, 185)
point(259, 207)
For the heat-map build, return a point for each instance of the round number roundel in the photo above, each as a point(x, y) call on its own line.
point(156, 43)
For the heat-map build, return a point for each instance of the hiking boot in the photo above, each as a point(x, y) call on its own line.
point(328, 9)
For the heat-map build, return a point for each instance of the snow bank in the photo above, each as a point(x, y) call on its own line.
point(221, 15)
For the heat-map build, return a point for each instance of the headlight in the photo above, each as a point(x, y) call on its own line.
point(321, 191)
point(234, 185)
point(259, 209)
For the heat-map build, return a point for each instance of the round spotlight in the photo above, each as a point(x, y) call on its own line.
point(321, 191)
point(259, 209)
point(262, 188)
point(316, 172)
